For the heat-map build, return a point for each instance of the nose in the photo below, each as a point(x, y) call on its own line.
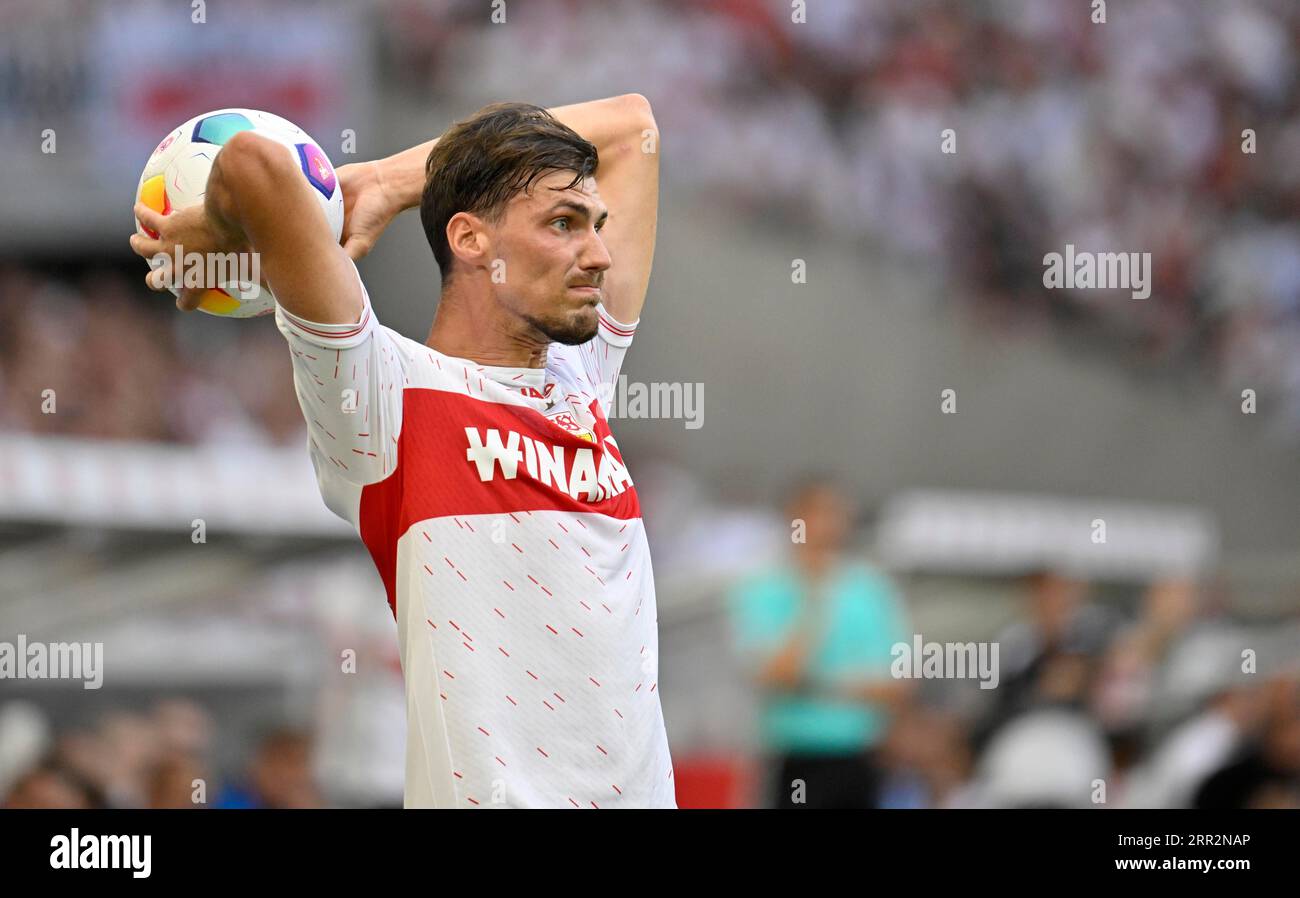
point(595, 255)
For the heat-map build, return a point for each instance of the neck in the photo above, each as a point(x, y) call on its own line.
point(469, 325)
point(815, 563)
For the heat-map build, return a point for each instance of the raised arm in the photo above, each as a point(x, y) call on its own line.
point(258, 200)
point(627, 140)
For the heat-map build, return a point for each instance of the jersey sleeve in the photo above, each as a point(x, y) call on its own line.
point(349, 380)
point(602, 355)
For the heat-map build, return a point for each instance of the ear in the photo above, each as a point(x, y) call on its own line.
point(468, 239)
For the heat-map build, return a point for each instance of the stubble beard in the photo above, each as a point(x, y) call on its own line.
point(569, 330)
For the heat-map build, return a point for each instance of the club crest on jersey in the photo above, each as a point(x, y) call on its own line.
point(586, 474)
point(570, 423)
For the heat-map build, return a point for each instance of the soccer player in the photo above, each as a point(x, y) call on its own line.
point(478, 467)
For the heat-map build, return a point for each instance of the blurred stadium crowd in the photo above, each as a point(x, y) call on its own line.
point(1122, 137)
point(123, 364)
point(157, 759)
point(1126, 136)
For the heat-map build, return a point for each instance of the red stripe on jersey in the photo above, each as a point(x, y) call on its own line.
point(303, 325)
point(616, 328)
point(435, 476)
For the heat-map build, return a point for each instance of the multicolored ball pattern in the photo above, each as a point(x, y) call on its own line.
point(176, 177)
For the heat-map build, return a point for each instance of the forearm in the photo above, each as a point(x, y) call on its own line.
point(246, 185)
point(221, 206)
point(786, 670)
point(613, 124)
point(257, 199)
point(609, 123)
point(402, 175)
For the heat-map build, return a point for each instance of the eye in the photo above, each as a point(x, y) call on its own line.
point(563, 221)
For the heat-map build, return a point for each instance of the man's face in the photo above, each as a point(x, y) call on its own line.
point(827, 517)
point(552, 257)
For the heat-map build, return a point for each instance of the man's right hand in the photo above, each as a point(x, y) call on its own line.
point(188, 228)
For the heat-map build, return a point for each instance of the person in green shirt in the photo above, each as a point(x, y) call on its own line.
point(815, 632)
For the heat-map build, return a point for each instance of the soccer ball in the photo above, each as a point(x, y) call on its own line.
point(176, 176)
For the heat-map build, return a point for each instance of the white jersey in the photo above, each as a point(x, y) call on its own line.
point(507, 532)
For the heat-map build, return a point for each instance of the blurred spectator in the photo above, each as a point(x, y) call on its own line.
point(179, 778)
point(280, 775)
point(816, 630)
point(85, 755)
point(50, 786)
point(1044, 758)
point(24, 739)
point(176, 781)
point(131, 747)
point(1132, 662)
point(1049, 658)
point(183, 727)
point(1203, 744)
point(928, 761)
point(1267, 773)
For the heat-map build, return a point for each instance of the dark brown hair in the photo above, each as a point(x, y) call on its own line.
point(479, 164)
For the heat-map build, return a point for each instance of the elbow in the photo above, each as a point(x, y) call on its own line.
point(248, 169)
point(638, 106)
point(251, 160)
point(637, 134)
point(639, 113)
